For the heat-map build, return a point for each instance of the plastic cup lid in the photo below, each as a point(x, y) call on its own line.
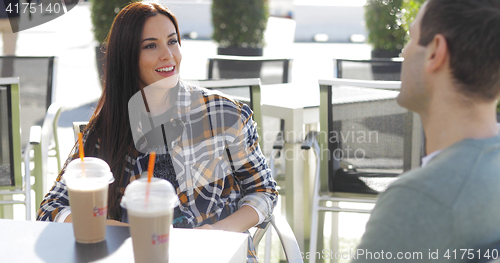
point(161, 192)
point(97, 171)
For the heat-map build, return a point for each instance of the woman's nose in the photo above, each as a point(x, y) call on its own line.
point(166, 54)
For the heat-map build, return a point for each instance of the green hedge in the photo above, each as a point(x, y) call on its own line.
point(103, 13)
point(239, 23)
point(410, 10)
point(384, 24)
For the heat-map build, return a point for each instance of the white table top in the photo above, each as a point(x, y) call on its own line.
point(306, 94)
point(9, 80)
point(291, 95)
point(28, 241)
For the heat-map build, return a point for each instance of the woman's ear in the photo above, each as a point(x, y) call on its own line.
point(437, 55)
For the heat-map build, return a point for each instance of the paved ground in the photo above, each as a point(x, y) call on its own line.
point(70, 39)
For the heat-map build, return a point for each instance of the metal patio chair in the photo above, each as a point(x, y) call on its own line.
point(363, 108)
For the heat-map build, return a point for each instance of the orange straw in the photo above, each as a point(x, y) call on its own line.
point(80, 149)
point(80, 145)
point(151, 167)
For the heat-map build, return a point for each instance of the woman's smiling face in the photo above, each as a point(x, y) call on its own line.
point(160, 56)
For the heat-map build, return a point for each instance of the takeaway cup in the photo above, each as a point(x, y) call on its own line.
point(88, 197)
point(150, 217)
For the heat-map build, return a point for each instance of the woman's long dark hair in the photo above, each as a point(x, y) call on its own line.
point(109, 125)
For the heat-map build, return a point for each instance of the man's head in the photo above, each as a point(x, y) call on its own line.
point(457, 38)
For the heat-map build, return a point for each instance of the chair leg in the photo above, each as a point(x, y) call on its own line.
point(38, 174)
point(6, 211)
point(27, 204)
point(314, 233)
point(55, 136)
point(27, 182)
point(334, 237)
point(267, 257)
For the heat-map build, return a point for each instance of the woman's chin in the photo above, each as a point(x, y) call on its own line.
point(165, 83)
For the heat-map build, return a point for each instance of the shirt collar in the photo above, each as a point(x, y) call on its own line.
point(183, 101)
point(426, 159)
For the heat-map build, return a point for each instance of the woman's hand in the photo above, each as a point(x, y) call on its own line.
point(68, 219)
point(206, 226)
point(109, 222)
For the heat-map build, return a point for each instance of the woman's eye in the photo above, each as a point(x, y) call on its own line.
point(152, 45)
point(173, 42)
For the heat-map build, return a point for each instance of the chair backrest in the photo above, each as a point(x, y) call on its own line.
point(270, 71)
point(370, 139)
point(10, 136)
point(287, 238)
point(36, 76)
point(79, 126)
point(245, 90)
point(374, 69)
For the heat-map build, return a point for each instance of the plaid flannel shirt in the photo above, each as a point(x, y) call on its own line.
point(213, 144)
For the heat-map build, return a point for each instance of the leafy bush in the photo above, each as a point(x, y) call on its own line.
point(384, 24)
point(410, 10)
point(103, 13)
point(239, 23)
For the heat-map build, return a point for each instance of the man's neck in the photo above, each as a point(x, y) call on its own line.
point(448, 123)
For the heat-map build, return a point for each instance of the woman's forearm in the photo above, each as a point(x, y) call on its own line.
point(242, 220)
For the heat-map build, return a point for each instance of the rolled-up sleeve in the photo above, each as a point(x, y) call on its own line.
point(251, 169)
point(55, 202)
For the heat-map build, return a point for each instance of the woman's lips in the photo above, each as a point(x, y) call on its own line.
point(166, 71)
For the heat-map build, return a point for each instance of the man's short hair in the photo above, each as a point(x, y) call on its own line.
point(471, 29)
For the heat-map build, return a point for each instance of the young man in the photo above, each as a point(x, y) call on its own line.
point(448, 208)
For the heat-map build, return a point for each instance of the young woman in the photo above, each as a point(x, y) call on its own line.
point(207, 144)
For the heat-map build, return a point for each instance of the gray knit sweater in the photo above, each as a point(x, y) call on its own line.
point(442, 212)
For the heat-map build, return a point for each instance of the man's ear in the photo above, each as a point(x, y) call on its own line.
point(437, 54)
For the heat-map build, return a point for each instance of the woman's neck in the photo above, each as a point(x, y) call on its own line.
point(158, 100)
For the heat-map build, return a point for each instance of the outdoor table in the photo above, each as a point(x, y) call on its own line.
point(33, 241)
point(298, 105)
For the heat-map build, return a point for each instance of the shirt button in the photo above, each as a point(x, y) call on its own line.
point(185, 209)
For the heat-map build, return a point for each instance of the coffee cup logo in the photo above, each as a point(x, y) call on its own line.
point(100, 211)
point(159, 239)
